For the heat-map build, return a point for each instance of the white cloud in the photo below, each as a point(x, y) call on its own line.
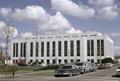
point(30, 13)
point(108, 13)
point(71, 8)
point(3, 26)
point(5, 11)
point(72, 31)
point(56, 23)
point(46, 23)
point(101, 3)
point(26, 34)
point(115, 34)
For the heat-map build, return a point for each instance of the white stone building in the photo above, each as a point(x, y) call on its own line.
point(63, 48)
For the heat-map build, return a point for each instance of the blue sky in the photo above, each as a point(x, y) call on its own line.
point(51, 16)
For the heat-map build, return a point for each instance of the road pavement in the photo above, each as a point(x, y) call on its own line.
point(101, 75)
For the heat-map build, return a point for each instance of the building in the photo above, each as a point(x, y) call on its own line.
point(63, 48)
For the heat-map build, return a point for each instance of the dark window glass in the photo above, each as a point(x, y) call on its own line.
point(65, 48)
point(78, 48)
point(37, 49)
point(98, 47)
point(59, 61)
point(92, 60)
point(92, 47)
point(21, 50)
point(13, 49)
point(42, 49)
point(59, 48)
point(65, 61)
point(16, 49)
point(31, 49)
point(48, 61)
point(102, 47)
point(53, 48)
point(88, 47)
point(48, 49)
point(24, 55)
point(72, 48)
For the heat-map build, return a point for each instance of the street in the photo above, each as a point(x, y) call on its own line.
point(101, 75)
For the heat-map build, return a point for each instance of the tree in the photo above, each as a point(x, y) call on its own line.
point(107, 60)
point(8, 32)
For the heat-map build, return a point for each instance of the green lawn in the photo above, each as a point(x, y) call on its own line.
point(29, 70)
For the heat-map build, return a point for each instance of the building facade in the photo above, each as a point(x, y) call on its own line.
point(64, 48)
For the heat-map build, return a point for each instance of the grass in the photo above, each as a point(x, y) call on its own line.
point(44, 73)
point(29, 70)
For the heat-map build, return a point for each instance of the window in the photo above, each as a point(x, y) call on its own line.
point(65, 61)
point(72, 48)
point(88, 60)
point(37, 49)
point(92, 60)
point(65, 48)
point(102, 47)
point(53, 48)
point(48, 49)
point(72, 61)
point(92, 47)
point(42, 61)
point(78, 47)
point(21, 50)
point(88, 47)
point(31, 49)
point(59, 61)
point(42, 49)
point(13, 49)
point(16, 49)
point(54, 61)
point(78, 60)
point(48, 61)
point(59, 48)
point(24, 55)
point(98, 47)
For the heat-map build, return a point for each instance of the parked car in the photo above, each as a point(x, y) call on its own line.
point(66, 70)
point(83, 67)
point(117, 71)
point(94, 67)
point(105, 66)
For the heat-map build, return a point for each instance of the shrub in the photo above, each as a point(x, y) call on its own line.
point(107, 60)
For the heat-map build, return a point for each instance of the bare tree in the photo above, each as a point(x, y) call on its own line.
point(8, 33)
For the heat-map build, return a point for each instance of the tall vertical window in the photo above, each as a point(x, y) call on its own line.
point(53, 48)
point(42, 49)
point(92, 47)
point(24, 53)
point(88, 47)
point(102, 47)
point(37, 49)
point(65, 48)
point(13, 49)
point(16, 49)
point(78, 48)
point(59, 48)
point(31, 49)
point(21, 50)
point(48, 49)
point(72, 48)
point(98, 47)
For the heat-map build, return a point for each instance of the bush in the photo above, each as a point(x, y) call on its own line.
point(107, 60)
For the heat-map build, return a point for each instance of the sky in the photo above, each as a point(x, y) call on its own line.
point(62, 16)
